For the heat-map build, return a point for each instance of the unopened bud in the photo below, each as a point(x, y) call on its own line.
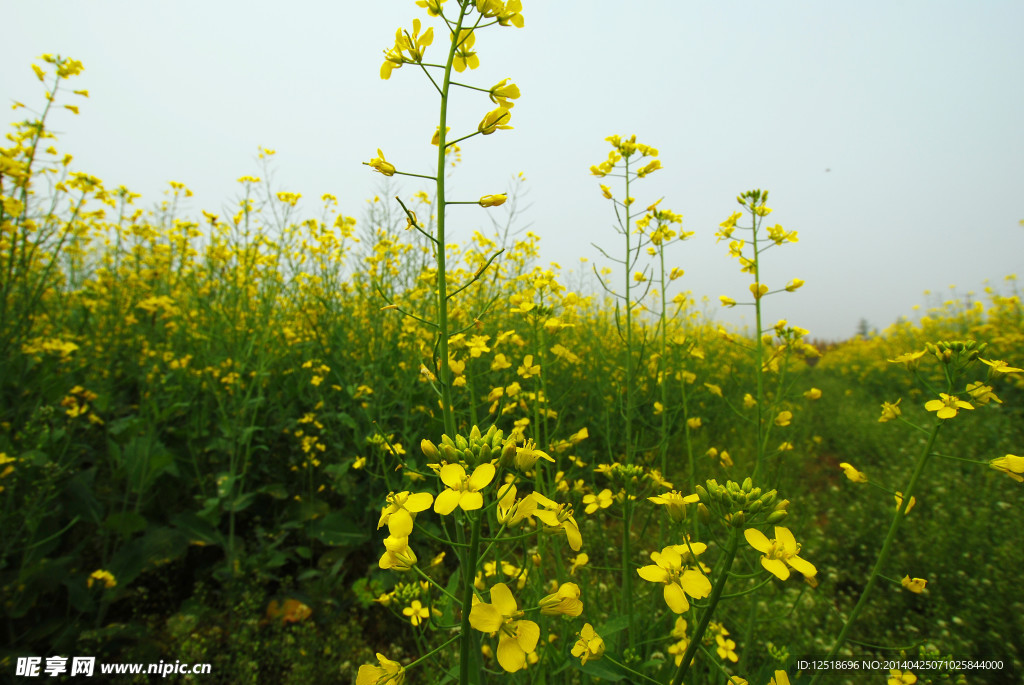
point(430, 450)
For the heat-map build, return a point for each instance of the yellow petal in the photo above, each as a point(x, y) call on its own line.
point(775, 567)
point(757, 540)
point(676, 598)
point(654, 574)
point(784, 536)
point(482, 476)
point(803, 566)
point(420, 501)
point(696, 584)
point(452, 475)
point(503, 600)
point(470, 501)
point(511, 656)
point(485, 618)
point(446, 502)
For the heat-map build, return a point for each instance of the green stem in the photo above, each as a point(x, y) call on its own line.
point(716, 594)
point(883, 555)
point(468, 573)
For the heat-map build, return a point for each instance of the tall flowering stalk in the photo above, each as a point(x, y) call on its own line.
point(478, 472)
point(628, 160)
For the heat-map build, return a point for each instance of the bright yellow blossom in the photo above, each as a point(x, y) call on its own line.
point(462, 491)
point(780, 553)
point(669, 568)
point(565, 601)
point(589, 646)
point(389, 672)
point(852, 473)
point(948, 406)
point(492, 200)
point(915, 585)
point(890, 411)
point(1011, 465)
point(517, 637)
point(380, 164)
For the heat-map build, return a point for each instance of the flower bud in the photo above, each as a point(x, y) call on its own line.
point(430, 450)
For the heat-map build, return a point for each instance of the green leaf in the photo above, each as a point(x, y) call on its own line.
point(602, 670)
point(125, 523)
point(337, 529)
point(197, 529)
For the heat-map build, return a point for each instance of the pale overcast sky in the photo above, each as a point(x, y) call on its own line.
point(890, 133)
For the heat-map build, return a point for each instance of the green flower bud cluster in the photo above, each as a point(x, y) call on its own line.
point(406, 592)
point(948, 350)
point(741, 505)
point(478, 448)
point(626, 472)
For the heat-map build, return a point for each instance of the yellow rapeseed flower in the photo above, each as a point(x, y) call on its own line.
point(390, 672)
point(463, 490)
point(106, 577)
point(852, 473)
point(948, 406)
point(1011, 465)
point(516, 637)
point(915, 585)
point(669, 568)
point(565, 601)
point(380, 164)
point(780, 553)
point(589, 646)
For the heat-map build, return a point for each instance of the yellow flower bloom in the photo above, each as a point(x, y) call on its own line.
point(726, 648)
point(1011, 465)
point(915, 585)
point(899, 502)
point(694, 422)
point(813, 394)
point(897, 677)
point(559, 517)
point(492, 200)
point(780, 678)
point(758, 290)
point(670, 569)
point(397, 554)
point(589, 646)
point(602, 500)
point(494, 120)
point(465, 56)
point(727, 301)
point(999, 367)
point(795, 283)
point(948, 406)
point(565, 601)
point(433, 7)
point(398, 513)
point(500, 93)
point(382, 165)
point(416, 612)
point(784, 418)
point(909, 358)
point(890, 411)
point(852, 473)
point(580, 560)
point(389, 672)
point(517, 638)
point(981, 393)
point(675, 502)
point(780, 553)
point(527, 455)
point(106, 577)
point(462, 491)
